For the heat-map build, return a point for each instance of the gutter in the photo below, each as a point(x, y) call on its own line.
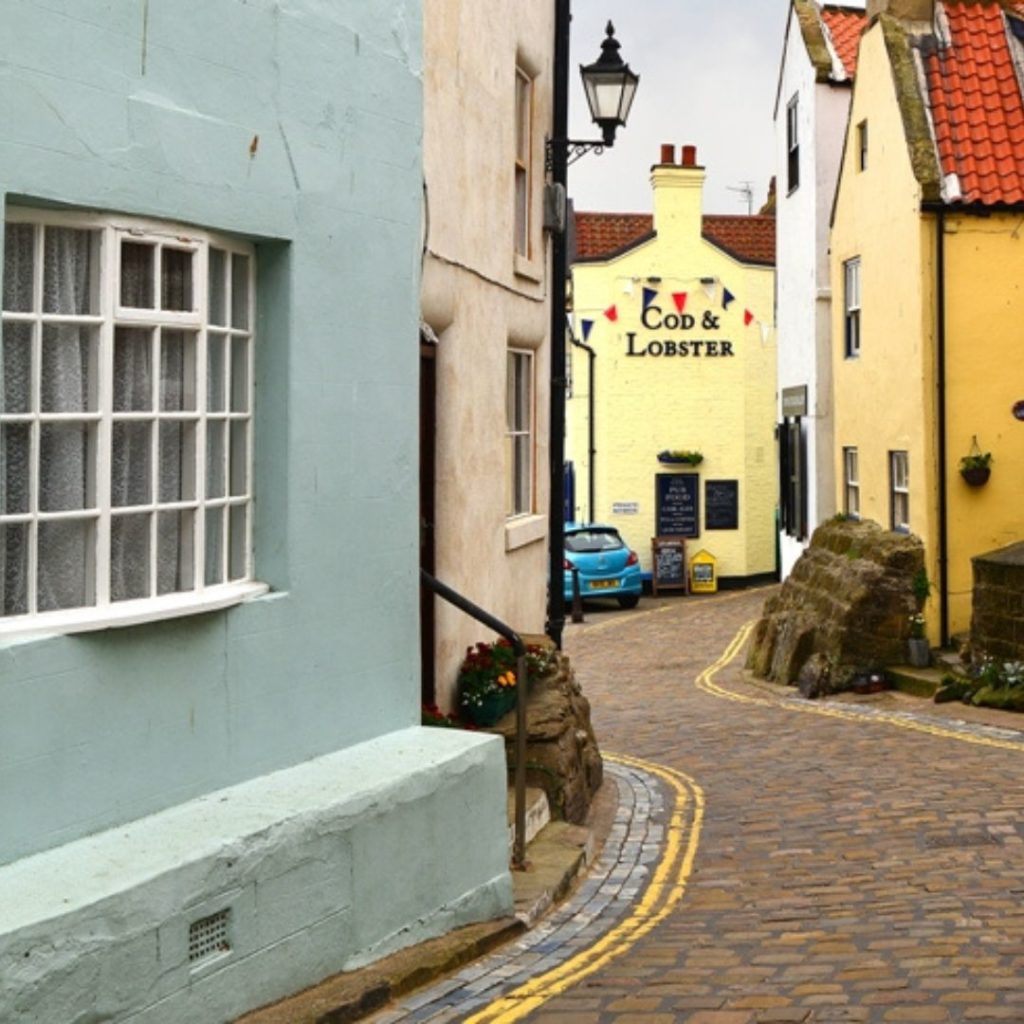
point(592, 453)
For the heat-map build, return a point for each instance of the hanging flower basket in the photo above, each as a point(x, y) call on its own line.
point(681, 457)
point(975, 476)
point(974, 466)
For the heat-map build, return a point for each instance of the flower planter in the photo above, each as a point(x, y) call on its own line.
point(491, 708)
point(976, 475)
point(918, 651)
point(669, 459)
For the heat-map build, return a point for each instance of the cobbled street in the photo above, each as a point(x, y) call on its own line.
point(857, 860)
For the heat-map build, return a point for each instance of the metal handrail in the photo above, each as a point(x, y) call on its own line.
point(453, 597)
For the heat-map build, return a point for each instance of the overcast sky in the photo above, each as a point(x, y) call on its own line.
point(708, 74)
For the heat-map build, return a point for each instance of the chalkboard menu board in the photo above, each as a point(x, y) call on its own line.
point(721, 504)
point(678, 504)
point(668, 559)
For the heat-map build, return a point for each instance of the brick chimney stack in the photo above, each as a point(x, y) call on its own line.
point(905, 10)
point(678, 192)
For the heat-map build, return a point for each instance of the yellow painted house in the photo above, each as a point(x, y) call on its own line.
point(677, 312)
point(928, 295)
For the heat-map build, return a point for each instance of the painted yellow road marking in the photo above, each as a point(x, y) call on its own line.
point(667, 887)
point(705, 682)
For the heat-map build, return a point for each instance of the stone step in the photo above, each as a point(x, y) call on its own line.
point(538, 814)
point(920, 682)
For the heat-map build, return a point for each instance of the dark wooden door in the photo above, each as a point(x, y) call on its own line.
point(428, 422)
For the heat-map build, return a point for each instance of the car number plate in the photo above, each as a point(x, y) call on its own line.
point(603, 584)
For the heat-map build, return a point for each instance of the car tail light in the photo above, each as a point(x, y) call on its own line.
point(633, 558)
point(566, 565)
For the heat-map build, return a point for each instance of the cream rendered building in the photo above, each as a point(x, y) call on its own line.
point(485, 306)
point(679, 311)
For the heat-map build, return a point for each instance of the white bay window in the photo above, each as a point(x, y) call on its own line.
point(126, 403)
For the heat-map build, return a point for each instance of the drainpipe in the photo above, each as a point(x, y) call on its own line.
point(590, 425)
point(940, 354)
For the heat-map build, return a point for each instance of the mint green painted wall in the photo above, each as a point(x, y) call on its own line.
point(296, 124)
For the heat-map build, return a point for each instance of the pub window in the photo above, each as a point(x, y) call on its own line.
point(862, 146)
point(519, 434)
point(899, 476)
point(523, 130)
point(851, 307)
point(851, 483)
point(126, 420)
point(792, 145)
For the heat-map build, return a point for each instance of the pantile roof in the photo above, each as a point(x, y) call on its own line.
point(976, 105)
point(845, 26)
point(605, 235)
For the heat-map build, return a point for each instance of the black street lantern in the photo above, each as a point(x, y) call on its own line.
point(610, 86)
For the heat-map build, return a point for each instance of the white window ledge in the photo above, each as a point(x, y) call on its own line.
point(128, 613)
point(525, 530)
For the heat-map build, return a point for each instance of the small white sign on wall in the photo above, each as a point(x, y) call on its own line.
point(625, 508)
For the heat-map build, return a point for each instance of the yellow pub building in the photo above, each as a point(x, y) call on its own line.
point(671, 414)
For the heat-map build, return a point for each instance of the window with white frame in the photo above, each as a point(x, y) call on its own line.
point(519, 434)
point(851, 483)
point(862, 146)
point(851, 307)
point(126, 420)
point(899, 475)
point(793, 144)
point(524, 120)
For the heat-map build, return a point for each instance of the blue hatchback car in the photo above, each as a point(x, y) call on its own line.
point(607, 567)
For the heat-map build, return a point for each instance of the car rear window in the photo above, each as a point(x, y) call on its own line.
point(593, 540)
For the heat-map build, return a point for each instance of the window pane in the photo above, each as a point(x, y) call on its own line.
point(178, 371)
point(19, 259)
point(16, 369)
point(70, 271)
point(522, 474)
point(175, 552)
point(218, 287)
point(67, 471)
point(239, 457)
point(239, 374)
point(176, 279)
point(129, 557)
point(216, 373)
point(14, 467)
point(133, 369)
point(237, 569)
point(216, 456)
point(131, 464)
point(214, 546)
point(67, 551)
point(522, 117)
point(70, 372)
point(14, 560)
point(522, 212)
point(177, 461)
point(137, 270)
point(239, 291)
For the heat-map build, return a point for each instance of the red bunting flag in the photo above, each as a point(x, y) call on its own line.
point(748, 318)
point(612, 313)
point(680, 300)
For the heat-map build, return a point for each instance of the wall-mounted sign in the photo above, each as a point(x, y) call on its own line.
point(625, 508)
point(721, 504)
point(677, 504)
point(1018, 410)
point(794, 401)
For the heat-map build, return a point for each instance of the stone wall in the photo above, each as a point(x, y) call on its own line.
point(844, 609)
point(997, 622)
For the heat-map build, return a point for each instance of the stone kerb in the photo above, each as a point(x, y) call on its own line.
point(843, 610)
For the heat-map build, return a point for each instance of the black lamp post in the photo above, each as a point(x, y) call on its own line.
point(610, 86)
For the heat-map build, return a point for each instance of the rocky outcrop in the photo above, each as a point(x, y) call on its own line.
point(562, 756)
point(997, 620)
point(843, 610)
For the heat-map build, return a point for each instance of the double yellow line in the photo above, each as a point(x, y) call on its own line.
point(682, 836)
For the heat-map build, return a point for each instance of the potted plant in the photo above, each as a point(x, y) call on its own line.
point(917, 643)
point(974, 468)
point(487, 685)
point(681, 455)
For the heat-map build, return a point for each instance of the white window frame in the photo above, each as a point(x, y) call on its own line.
point(237, 414)
point(522, 176)
point(519, 433)
point(899, 490)
point(851, 483)
point(793, 144)
point(851, 307)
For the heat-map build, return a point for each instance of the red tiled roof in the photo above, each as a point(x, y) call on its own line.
point(845, 25)
point(977, 107)
point(604, 235)
point(750, 239)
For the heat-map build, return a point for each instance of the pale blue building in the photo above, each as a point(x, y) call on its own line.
point(213, 786)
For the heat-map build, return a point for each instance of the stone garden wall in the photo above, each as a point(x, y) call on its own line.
point(997, 623)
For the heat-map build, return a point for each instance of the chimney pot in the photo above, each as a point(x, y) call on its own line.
point(668, 153)
point(689, 156)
